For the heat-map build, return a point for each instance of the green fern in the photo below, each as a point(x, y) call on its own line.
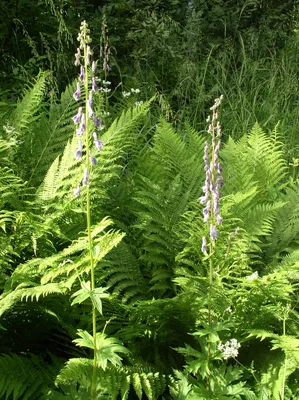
point(114, 380)
point(26, 377)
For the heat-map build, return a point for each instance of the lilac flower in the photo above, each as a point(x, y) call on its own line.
point(77, 56)
point(88, 54)
point(213, 232)
point(77, 191)
point(98, 144)
point(77, 117)
point(204, 244)
point(96, 121)
point(82, 126)
point(206, 211)
point(78, 154)
point(94, 67)
point(93, 160)
point(85, 177)
point(77, 93)
point(82, 74)
point(90, 110)
point(94, 84)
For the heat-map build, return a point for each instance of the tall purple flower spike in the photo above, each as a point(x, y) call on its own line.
point(81, 118)
point(213, 180)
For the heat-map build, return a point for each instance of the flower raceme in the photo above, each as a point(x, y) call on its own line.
point(213, 180)
point(85, 115)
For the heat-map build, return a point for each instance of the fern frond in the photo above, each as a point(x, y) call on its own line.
point(114, 381)
point(27, 110)
point(26, 378)
point(53, 133)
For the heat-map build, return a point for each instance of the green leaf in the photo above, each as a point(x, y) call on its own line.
point(82, 294)
point(96, 296)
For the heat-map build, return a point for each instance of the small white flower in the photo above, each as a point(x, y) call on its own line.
point(253, 276)
point(135, 90)
point(229, 309)
point(126, 94)
point(106, 113)
point(138, 103)
point(107, 83)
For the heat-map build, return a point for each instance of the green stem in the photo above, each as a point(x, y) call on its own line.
point(285, 361)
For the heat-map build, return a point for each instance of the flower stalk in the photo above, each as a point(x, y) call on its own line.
point(210, 198)
point(85, 119)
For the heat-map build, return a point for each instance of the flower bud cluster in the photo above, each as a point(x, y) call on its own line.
point(86, 114)
point(213, 180)
point(229, 349)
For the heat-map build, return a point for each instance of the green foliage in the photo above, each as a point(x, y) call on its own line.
point(27, 376)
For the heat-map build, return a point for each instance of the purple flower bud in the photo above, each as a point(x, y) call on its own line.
point(77, 56)
point(88, 54)
point(96, 121)
point(204, 198)
point(78, 154)
point(82, 73)
point(77, 117)
point(99, 145)
point(219, 219)
point(77, 93)
point(206, 211)
point(213, 232)
point(90, 110)
point(94, 84)
point(204, 244)
point(85, 177)
point(93, 160)
point(77, 191)
point(94, 67)
point(82, 126)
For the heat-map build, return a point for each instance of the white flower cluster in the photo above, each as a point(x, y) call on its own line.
point(127, 94)
point(138, 103)
point(104, 90)
point(229, 349)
